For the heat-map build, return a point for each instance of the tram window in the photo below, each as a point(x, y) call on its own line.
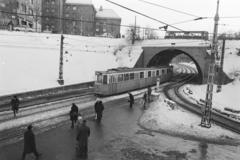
point(141, 74)
point(136, 75)
point(126, 77)
point(153, 73)
point(99, 78)
point(131, 75)
point(104, 79)
point(157, 73)
point(163, 71)
point(120, 77)
point(113, 79)
point(149, 73)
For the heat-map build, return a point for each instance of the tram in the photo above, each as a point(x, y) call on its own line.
point(119, 80)
point(186, 35)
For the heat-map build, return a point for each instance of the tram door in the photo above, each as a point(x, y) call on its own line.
point(113, 84)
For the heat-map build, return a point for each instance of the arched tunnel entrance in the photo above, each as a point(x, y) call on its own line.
point(165, 57)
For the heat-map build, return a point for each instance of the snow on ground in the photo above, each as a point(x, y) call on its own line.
point(160, 117)
point(30, 61)
point(229, 96)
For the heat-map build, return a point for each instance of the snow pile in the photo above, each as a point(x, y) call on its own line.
point(161, 117)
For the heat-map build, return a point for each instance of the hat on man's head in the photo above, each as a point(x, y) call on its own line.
point(29, 126)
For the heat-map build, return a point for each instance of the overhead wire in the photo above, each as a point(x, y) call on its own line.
point(142, 14)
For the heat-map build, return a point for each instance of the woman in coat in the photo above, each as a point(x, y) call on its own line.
point(73, 114)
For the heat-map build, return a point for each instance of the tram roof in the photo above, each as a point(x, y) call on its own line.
point(124, 70)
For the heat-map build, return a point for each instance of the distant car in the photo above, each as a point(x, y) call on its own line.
point(24, 29)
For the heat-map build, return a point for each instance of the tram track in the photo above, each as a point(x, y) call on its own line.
point(172, 92)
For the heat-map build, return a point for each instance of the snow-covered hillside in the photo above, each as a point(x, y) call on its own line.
point(30, 61)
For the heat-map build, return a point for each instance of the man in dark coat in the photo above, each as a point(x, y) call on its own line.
point(29, 143)
point(99, 107)
point(144, 100)
point(15, 105)
point(149, 94)
point(82, 138)
point(73, 114)
point(131, 100)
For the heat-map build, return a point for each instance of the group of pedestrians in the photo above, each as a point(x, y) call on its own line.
point(145, 99)
point(83, 131)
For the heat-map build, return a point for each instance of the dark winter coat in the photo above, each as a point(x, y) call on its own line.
point(99, 107)
point(131, 98)
point(29, 142)
point(74, 113)
point(145, 97)
point(82, 135)
point(15, 103)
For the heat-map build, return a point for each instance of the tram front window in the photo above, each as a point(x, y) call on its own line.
point(105, 79)
point(99, 78)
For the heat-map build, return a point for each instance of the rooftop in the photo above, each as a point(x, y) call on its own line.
point(88, 2)
point(107, 13)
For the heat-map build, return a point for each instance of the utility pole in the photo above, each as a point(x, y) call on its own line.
point(134, 31)
point(219, 87)
point(60, 76)
point(206, 115)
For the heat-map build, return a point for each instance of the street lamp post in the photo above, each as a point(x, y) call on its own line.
point(60, 76)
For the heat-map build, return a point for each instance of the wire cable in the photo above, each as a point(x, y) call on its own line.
point(144, 15)
point(178, 11)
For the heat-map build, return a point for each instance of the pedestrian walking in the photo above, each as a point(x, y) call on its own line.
point(131, 100)
point(29, 143)
point(15, 105)
point(144, 100)
point(73, 114)
point(99, 107)
point(82, 138)
point(149, 94)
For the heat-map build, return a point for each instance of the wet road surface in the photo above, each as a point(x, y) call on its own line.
point(120, 138)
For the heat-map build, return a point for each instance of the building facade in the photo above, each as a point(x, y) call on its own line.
point(79, 17)
point(28, 14)
point(20, 13)
point(52, 11)
point(107, 23)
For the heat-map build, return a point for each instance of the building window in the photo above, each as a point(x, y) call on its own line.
point(157, 73)
point(104, 27)
point(74, 8)
point(74, 23)
point(24, 8)
point(53, 10)
point(31, 11)
point(53, 1)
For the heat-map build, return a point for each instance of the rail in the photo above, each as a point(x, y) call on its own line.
point(47, 95)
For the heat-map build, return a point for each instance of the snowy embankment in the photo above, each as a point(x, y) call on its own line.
point(160, 117)
point(227, 101)
point(30, 61)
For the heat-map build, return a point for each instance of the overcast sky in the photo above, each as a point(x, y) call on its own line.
point(202, 8)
